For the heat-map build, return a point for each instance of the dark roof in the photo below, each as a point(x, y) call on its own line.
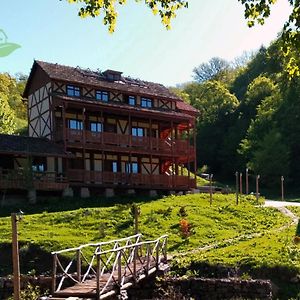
point(185, 107)
point(14, 144)
point(98, 79)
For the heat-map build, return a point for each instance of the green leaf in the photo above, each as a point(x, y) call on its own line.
point(8, 48)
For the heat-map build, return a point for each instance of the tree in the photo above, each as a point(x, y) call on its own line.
point(93, 8)
point(13, 110)
point(215, 69)
point(7, 118)
point(256, 11)
point(216, 104)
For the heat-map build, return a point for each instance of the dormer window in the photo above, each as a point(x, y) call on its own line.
point(112, 75)
point(132, 100)
point(73, 91)
point(102, 96)
point(146, 102)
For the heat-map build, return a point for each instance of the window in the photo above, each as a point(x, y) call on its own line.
point(114, 166)
point(102, 96)
point(131, 100)
point(38, 168)
point(146, 102)
point(73, 91)
point(131, 167)
point(137, 131)
point(39, 164)
point(96, 127)
point(75, 124)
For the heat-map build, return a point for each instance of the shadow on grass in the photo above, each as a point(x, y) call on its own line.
point(56, 204)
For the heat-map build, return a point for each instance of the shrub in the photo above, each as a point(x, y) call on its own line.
point(182, 212)
point(185, 228)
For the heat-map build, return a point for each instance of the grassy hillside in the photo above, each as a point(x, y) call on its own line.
point(208, 224)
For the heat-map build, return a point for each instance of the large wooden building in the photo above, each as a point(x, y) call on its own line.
point(115, 133)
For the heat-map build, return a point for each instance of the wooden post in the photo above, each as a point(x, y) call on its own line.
point(79, 265)
point(247, 181)
point(136, 219)
point(210, 189)
point(120, 268)
point(237, 187)
point(157, 255)
point(165, 251)
point(257, 187)
point(148, 259)
point(54, 273)
point(98, 275)
point(241, 183)
point(282, 188)
point(134, 263)
point(15, 256)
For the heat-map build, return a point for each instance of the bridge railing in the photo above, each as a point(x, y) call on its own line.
point(115, 264)
point(76, 265)
point(123, 266)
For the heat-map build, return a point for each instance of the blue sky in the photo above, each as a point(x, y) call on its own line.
point(50, 30)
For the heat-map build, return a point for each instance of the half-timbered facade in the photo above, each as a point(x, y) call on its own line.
point(121, 133)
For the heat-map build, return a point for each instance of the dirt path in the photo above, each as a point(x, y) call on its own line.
point(281, 206)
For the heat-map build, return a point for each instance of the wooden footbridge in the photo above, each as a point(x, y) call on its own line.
point(104, 270)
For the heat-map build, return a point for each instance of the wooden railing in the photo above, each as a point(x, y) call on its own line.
point(18, 179)
point(134, 180)
point(109, 265)
point(128, 141)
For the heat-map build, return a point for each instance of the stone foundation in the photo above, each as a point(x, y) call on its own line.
point(84, 192)
point(201, 288)
point(109, 193)
point(68, 192)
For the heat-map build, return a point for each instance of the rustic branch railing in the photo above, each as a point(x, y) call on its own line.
point(115, 265)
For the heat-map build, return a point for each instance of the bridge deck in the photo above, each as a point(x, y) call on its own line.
point(88, 289)
point(119, 268)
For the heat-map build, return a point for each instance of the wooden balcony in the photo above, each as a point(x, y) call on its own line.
point(43, 181)
point(130, 180)
point(108, 140)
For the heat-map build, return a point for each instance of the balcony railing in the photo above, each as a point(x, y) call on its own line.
point(132, 180)
point(19, 180)
point(108, 139)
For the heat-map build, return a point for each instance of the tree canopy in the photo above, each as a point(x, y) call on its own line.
point(165, 8)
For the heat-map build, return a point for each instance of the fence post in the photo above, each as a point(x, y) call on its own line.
point(247, 181)
point(210, 189)
point(15, 256)
point(257, 187)
point(241, 183)
point(78, 265)
point(237, 187)
point(54, 273)
point(282, 188)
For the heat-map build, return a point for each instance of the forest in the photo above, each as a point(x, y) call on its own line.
point(249, 112)
point(249, 116)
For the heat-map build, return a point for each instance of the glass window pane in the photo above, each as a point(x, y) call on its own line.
point(134, 167)
point(114, 167)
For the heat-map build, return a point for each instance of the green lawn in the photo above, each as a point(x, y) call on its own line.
point(222, 220)
point(59, 228)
